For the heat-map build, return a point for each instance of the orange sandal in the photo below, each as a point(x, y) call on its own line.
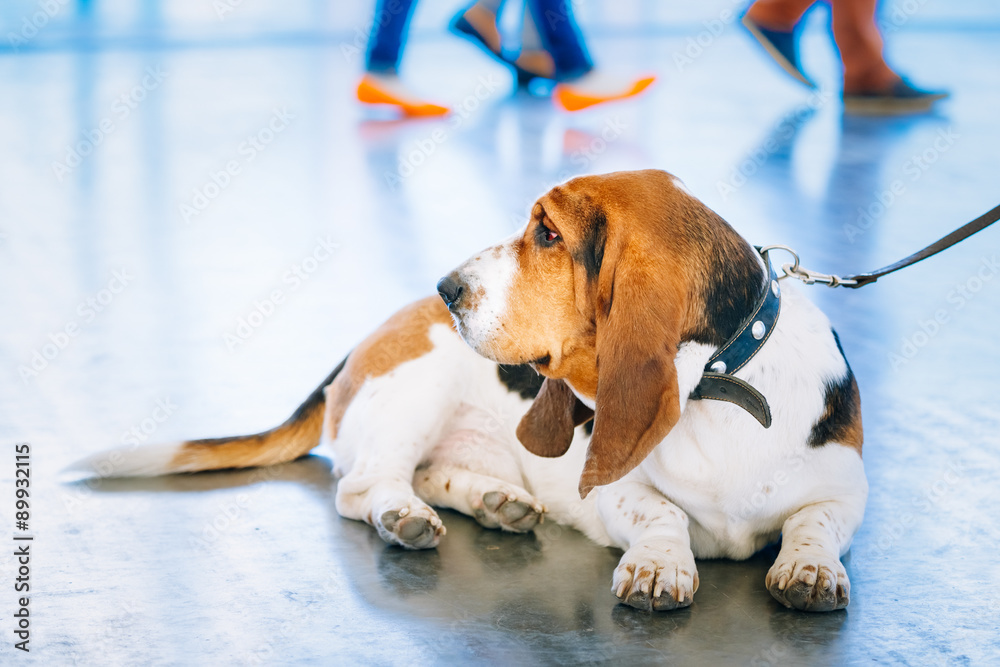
point(372, 91)
point(572, 99)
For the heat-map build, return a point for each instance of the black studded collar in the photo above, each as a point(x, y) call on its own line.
point(718, 381)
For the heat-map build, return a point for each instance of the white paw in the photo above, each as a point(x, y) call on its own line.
point(656, 577)
point(413, 526)
point(508, 508)
point(810, 580)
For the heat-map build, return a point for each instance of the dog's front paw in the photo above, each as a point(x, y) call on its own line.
point(656, 578)
point(413, 526)
point(810, 582)
point(512, 510)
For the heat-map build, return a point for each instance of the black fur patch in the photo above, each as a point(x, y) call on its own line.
point(843, 401)
point(734, 283)
point(520, 379)
point(591, 251)
point(315, 401)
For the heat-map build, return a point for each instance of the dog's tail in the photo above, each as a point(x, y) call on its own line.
point(294, 438)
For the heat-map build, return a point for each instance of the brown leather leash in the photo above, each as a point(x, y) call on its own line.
point(862, 279)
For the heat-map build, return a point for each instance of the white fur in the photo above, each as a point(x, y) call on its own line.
point(719, 485)
point(441, 430)
point(488, 277)
point(127, 461)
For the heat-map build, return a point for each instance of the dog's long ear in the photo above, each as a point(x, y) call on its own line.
point(638, 315)
point(547, 428)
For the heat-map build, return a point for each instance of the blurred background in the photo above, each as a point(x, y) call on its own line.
point(196, 212)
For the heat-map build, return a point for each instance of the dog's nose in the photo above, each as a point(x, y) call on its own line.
point(450, 290)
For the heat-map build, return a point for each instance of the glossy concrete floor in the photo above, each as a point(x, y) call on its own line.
point(204, 303)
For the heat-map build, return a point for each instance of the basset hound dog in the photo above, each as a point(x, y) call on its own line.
point(626, 364)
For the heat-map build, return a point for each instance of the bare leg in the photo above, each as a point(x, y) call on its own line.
point(779, 14)
point(860, 45)
point(854, 31)
point(482, 15)
point(533, 57)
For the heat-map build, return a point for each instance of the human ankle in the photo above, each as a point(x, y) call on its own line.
point(772, 18)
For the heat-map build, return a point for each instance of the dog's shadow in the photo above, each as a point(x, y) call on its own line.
point(552, 585)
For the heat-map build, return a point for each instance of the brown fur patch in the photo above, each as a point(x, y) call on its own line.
point(840, 422)
point(606, 305)
point(854, 435)
point(403, 337)
point(299, 434)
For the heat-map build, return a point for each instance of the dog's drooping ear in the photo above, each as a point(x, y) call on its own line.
point(638, 315)
point(547, 428)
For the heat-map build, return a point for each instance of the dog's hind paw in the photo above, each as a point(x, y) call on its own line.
point(412, 527)
point(510, 510)
point(656, 577)
point(809, 582)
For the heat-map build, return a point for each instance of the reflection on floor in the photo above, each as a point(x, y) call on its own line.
point(196, 224)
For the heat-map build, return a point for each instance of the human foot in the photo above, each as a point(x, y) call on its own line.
point(478, 24)
point(533, 64)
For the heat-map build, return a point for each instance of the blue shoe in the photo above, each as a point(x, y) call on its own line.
point(782, 46)
point(902, 98)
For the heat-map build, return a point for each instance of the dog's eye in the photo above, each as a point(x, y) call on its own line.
point(546, 236)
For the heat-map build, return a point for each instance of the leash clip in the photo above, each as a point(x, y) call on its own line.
point(805, 275)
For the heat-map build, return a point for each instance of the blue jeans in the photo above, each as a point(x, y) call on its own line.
point(385, 43)
point(553, 18)
point(561, 37)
